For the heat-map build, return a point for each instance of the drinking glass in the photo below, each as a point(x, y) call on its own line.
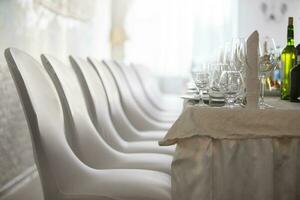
point(235, 43)
point(201, 79)
point(216, 97)
point(231, 85)
point(240, 65)
point(238, 54)
point(242, 50)
point(220, 55)
point(228, 54)
point(267, 62)
point(242, 56)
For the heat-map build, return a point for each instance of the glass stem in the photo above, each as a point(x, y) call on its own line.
point(262, 89)
point(201, 97)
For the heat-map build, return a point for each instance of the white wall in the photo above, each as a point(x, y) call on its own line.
point(32, 27)
point(27, 25)
point(252, 18)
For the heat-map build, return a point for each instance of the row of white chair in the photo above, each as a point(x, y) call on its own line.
point(159, 100)
point(94, 128)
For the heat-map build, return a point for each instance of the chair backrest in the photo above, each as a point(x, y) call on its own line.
point(127, 99)
point(117, 112)
point(149, 84)
point(97, 101)
point(110, 86)
point(137, 89)
point(55, 160)
point(135, 115)
point(89, 145)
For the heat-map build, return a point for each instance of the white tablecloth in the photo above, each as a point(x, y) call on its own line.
point(236, 154)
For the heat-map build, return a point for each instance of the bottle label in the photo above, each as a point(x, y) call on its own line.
point(276, 74)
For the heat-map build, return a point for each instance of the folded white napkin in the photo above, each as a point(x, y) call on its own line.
point(252, 81)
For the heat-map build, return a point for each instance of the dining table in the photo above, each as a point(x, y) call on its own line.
point(239, 153)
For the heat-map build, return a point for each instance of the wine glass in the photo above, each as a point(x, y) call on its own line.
point(227, 53)
point(220, 55)
point(234, 51)
point(242, 56)
point(239, 64)
point(231, 85)
point(238, 54)
point(267, 62)
point(201, 79)
point(216, 97)
point(243, 50)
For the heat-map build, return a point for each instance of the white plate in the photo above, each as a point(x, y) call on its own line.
point(189, 97)
point(191, 92)
point(192, 88)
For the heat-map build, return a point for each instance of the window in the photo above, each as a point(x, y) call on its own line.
point(168, 35)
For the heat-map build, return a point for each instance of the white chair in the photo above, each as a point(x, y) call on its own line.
point(98, 107)
point(136, 117)
point(140, 97)
point(84, 131)
point(63, 175)
point(162, 101)
point(131, 107)
point(96, 93)
point(118, 116)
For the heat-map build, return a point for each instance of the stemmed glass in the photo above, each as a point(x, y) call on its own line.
point(231, 85)
point(267, 62)
point(239, 63)
point(215, 95)
point(242, 56)
point(234, 60)
point(228, 54)
point(215, 75)
point(234, 54)
point(201, 79)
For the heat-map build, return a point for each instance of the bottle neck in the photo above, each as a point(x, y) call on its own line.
point(290, 35)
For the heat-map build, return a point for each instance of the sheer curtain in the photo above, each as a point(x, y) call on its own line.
point(169, 35)
point(160, 35)
point(58, 28)
point(215, 23)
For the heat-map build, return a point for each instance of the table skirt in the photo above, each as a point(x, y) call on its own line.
point(205, 168)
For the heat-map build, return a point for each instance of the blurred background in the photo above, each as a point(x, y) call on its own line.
point(167, 36)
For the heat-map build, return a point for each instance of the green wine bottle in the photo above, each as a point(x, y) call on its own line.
point(288, 57)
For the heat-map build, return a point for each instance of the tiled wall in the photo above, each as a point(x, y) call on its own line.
point(15, 145)
point(27, 25)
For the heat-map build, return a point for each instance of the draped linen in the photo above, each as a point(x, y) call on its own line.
point(234, 154)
